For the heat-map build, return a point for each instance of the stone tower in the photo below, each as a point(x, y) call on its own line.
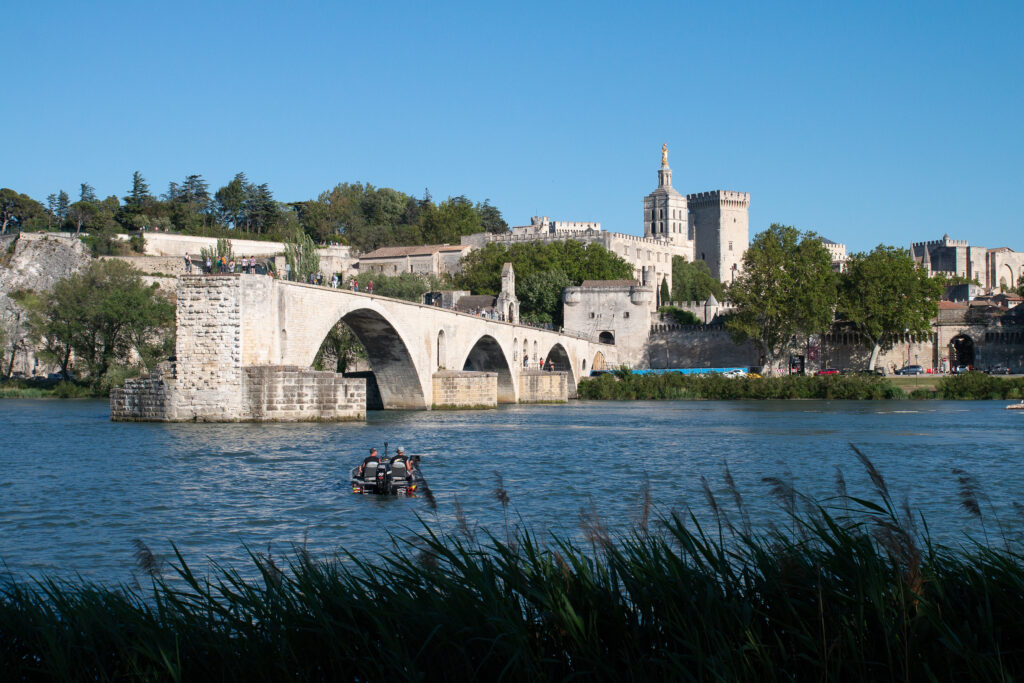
point(665, 209)
point(719, 222)
point(507, 303)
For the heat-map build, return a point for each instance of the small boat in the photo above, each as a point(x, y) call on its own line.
point(387, 479)
point(1016, 406)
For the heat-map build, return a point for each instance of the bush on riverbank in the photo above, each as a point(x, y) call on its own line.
point(19, 388)
point(978, 385)
point(855, 592)
point(629, 386)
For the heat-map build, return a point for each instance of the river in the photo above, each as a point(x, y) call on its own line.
point(76, 489)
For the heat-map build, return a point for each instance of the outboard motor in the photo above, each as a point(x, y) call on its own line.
point(382, 479)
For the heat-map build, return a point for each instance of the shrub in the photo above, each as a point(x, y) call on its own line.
point(627, 385)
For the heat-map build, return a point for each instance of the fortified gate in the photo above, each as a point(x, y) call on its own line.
point(245, 344)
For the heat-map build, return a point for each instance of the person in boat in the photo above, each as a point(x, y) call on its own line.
point(372, 457)
point(401, 457)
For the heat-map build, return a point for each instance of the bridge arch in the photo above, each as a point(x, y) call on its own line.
point(559, 357)
point(598, 363)
point(486, 355)
point(389, 358)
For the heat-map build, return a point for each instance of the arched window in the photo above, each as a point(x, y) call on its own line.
point(515, 349)
point(606, 337)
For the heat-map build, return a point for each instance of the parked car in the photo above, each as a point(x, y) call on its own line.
point(733, 374)
point(999, 370)
point(910, 370)
point(828, 371)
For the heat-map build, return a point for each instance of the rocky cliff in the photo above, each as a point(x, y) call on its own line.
point(31, 261)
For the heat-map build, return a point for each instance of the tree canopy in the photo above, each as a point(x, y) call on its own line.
point(694, 281)
point(105, 315)
point(885, 294)
point(357, 214)
point(787, 287)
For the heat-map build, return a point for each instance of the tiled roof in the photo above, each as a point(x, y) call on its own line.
point(424, 250)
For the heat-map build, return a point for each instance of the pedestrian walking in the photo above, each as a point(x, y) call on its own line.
point(188, 264)
point(369, 287)
point(209, 265)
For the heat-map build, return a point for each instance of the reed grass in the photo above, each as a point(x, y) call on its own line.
point(849, 591)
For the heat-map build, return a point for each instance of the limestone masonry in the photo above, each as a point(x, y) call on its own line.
point(245, 344)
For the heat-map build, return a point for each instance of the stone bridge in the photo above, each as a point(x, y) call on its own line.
point(245, 344)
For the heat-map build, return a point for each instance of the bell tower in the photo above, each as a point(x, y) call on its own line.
point(665, 209)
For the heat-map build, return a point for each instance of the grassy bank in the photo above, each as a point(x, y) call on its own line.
point(628, 386)
point(853, 592)
point(16, 388)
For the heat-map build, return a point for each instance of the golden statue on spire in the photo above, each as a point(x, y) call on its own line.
point(664, 154)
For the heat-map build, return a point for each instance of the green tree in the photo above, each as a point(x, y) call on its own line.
point(302, 257)
point(1020, 285)
point(405, 286)
point(104, 314)
point(693, 281)
point(20, 211)
point(138, 197)
point(663, 295)
point(63, 206)
point(340, 349)
point(886, 294)
point(87, 193)
point(787, 287)
point(231, 201)
point(490, 217)
point(449, 221)
point(540, 296)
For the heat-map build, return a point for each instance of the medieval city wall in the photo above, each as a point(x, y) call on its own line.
point(696, 346)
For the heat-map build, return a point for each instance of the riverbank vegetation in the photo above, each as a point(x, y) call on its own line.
point(855, 589)
point(626, 386)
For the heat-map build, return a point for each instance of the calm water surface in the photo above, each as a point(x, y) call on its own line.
point(75, 489)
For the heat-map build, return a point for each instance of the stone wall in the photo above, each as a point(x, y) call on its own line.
point(163, 244)
point(209, 327)
point(269, 393)
point(696, 346)
point(537, 386)
point(465, 389)
point(289, 393)
point(143, 399)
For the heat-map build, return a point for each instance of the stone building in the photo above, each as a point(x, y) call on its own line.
point(612, 312)
point(430, 259)
point(838, 254)
point(712, 226)
point(994, 269)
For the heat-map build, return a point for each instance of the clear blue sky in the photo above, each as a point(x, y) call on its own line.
point(868, 122)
